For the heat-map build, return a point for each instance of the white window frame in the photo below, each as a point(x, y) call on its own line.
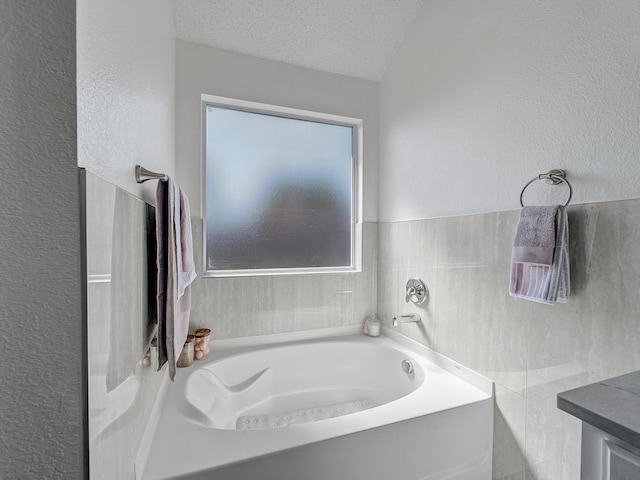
point(356, 199)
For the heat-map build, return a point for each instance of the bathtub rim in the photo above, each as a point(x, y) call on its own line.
point(228, 347)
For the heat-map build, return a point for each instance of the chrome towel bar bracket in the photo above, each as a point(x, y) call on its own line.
point(142, 175)
point(553, 177)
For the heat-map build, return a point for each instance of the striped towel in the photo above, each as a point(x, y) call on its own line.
point(540, 257)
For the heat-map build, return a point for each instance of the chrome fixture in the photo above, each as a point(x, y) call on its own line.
point(416, 291)
point(407, 366)
point(553, 177)
point(408, 318)
point(142, 175)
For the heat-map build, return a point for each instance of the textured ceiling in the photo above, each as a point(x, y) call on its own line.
point(351, 37)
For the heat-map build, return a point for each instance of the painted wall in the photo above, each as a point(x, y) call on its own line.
point(126, 116)
point(484, 95)
point(480, 98)
point(41, 433)
point(126, 90)
point(234, 307)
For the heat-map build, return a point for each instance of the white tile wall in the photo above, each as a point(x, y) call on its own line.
point(117, 416)
point(246, 306)
point(532, 351)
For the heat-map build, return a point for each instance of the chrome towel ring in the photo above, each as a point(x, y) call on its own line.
point(553, 177)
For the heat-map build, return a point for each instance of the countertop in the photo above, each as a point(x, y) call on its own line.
point(612, 406)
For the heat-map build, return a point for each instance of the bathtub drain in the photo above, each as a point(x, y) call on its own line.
point(305, 415)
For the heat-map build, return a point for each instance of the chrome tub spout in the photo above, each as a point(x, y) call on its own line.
point(408, 318)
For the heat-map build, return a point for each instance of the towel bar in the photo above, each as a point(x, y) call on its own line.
point(553, 177)
point(142, 175)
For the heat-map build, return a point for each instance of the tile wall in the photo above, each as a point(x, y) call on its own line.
point(247, 306)
point(532, 351)
point(121, 390)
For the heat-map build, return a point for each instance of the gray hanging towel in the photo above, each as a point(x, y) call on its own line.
point(540, 257)
point(176, 271)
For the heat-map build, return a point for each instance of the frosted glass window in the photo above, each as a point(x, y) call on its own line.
point(279, 192)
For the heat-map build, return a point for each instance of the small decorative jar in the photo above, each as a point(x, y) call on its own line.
point(186, 356)
point(373, 327)
point(202, 348)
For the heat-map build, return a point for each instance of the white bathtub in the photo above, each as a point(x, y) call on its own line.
point(323, 405)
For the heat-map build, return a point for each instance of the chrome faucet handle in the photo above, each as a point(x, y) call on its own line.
point(410, 292)
point(416, 291)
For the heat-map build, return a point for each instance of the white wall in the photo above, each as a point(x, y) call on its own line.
point(126, 116)
point(484, 95)
point(201, 69)
point(41, 345)
point(126, 90)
